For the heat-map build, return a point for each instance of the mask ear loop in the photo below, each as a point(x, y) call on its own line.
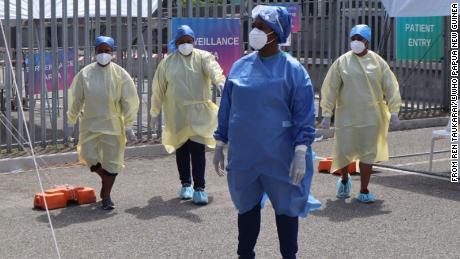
point(271, 40)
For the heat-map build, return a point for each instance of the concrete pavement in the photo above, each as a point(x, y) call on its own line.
point(414, 217)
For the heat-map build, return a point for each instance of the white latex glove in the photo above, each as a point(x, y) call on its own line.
point(220, 87)
point(130, 135)
point(394, 119)
point(326, 122)
point(298, 165)
point(219, 158)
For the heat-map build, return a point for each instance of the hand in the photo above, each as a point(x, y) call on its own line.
point(219, 159)
point(130, 135)
point(298, 166)
point(394, 119)
point(326, 123)
point(220, 87)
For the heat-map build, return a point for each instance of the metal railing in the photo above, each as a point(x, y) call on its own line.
point(142, 31)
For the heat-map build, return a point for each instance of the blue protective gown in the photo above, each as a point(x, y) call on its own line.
point(267, 109)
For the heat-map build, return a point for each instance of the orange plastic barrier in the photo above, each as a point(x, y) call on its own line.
point(325, 165)
point(59, 197)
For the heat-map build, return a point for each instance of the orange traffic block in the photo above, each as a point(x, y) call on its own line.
point(85, 195)
point(53, 200)
point(325, 165)
point(59, 197)
point(352, 168)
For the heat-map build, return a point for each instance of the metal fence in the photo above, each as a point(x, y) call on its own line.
point(141, 36)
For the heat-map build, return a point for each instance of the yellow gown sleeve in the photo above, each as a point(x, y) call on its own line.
point(212, 69)
point(330, 89)
point(159, 87)
point(129, 99)
point(76, 99)
point(391, 89)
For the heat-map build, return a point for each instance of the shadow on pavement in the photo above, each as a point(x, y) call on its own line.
point(422, 185)
point(176, 207)
point(77, 214)
point(339, 210)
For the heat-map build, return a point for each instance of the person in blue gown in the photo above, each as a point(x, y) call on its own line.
point(266, 117)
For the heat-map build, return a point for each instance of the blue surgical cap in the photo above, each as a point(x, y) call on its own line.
point(363, 30)
point(277, 18)
point(104, 40)
point(183, 30)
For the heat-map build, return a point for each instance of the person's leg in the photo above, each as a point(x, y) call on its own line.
point(365, 174)
point(97, 169)
point(108, 180)
point(344, 174)
point(289, 202)
point(288, 228)
point(197, 151)
point(343, 184)
point(364, 194)
point(183, 164)
point(248, 232)
point(112, 150)
point(89, 153)
point(247, 195)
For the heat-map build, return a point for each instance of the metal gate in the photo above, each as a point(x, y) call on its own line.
point(141, 29)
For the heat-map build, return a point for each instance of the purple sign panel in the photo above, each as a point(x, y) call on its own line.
point(49, 71)
point(221, 37)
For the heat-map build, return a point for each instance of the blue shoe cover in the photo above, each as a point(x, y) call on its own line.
point(343, 190)
point(200, 197)
point(186, 193)
point(366, 198)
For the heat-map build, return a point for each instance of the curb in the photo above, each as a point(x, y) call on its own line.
point(13, 165)
point(403, 125)
point(19, 164)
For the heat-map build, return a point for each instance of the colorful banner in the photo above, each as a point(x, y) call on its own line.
point(221, 37)
point(294, 10)
point(49, 71)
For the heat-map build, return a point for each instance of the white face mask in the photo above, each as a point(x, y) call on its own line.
point(258, 39)
point(186, 48)
point(357, 46)
point(103, 58)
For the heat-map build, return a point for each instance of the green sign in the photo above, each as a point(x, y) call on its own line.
point(419, 38)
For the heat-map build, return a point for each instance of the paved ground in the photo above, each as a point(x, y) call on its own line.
point(414, 217)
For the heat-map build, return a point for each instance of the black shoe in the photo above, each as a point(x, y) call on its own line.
point(107, 204)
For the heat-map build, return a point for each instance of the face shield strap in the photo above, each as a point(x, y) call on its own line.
point(279, 24)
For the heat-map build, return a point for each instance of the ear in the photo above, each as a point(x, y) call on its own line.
point(274, 37)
